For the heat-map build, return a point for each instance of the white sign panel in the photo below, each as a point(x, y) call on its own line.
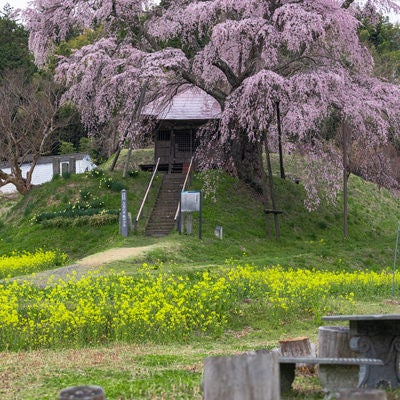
point(190, 201)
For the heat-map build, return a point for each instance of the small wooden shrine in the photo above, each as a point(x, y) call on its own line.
point(178, 120)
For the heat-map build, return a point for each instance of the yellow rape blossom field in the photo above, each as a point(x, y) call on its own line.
point(136, 320)
point(24, 263)
point(161, 307)
point(144, 333)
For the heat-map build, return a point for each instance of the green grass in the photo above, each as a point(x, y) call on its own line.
point(173, 371)
point(19, 233)
point(307, 239)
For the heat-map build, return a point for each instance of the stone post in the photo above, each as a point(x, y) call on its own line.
point(56, 166)
point(72, 165)
point(124, 216)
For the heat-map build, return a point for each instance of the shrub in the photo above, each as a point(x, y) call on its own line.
point(66, 147)
point(109, 183)
point(88, 207)
point(110, 217)
point(96, 173)
point(105, 182)
point(117, 186)
point(85, 194)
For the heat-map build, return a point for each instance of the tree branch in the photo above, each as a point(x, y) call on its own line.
point(347, 3)
point(218, 94)
point(233, 80)
point(293, 61)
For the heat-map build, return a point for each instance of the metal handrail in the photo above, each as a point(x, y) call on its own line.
point(183, 188)
point(146, 194)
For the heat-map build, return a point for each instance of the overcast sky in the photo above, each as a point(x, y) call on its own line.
point(24, 3)
point(14, 3)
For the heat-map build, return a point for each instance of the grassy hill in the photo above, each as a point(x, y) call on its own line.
point(308, 239)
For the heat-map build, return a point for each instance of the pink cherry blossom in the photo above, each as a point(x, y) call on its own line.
point(247, 54)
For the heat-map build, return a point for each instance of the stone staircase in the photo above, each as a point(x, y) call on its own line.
point(161, 221)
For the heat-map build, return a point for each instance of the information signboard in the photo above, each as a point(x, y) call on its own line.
point(190, 201)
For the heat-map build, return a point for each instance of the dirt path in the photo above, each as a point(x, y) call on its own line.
point(111, 255)
point(91, 262)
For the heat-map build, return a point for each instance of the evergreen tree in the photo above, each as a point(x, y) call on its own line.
point(384, 40)
point(14, 52)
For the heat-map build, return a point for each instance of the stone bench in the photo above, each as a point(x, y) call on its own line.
point(287, 366)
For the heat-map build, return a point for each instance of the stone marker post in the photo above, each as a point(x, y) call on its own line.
point(124, 216)
point(249, 376)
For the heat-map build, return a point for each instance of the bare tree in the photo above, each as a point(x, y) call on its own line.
point(28, 119)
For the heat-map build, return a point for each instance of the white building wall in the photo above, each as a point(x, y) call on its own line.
point(44, 172)
point(85, 165)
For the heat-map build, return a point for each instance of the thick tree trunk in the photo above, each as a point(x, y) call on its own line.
point(247, 158)
point(22, 185)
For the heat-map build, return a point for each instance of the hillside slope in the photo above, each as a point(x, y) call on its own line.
point(307, 239)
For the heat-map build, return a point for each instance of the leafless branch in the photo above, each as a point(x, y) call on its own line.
point(28, 119)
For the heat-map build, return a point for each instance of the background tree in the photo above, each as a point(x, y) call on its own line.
point(247, 54)
point(71, 133)
point(28, 120)
point(383, 39)
point(14, 51)
point(15, 54)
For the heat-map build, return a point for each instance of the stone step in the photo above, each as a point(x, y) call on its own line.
point(161, 220)
point(163, 229)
